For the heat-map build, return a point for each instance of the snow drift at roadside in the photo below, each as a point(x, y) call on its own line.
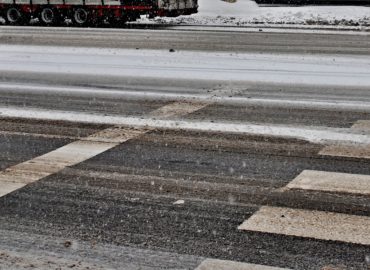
point(246, 12)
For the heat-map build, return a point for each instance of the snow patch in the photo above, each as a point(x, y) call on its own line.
point(308, 133)
point(323, 70)
point(247, 12)
point(179, 202)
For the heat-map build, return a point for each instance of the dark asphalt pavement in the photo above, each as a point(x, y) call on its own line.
point(125, 197)
point(170, 197)
point(189, 40)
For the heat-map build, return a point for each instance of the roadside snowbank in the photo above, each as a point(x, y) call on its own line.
point(247, 12)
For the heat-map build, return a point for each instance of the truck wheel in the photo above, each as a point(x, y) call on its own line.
point(14, 16)
point(80, 17)
point(49, 16)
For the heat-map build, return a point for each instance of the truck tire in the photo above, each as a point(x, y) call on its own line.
point(81, 17)
point(48, 16)
point(14, 16)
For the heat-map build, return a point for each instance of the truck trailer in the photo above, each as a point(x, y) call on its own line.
point(91, 12)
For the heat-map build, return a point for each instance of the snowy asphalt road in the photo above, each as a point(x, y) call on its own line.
point(196, 157)
point(113, 209)
point(207, 40)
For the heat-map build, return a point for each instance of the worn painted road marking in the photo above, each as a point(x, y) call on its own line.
point(354, 150)
point(177, 109)
point(311, 224)
point(33, 170)
point(347, 150)
point(363, 125)
point(213, 264)
point(20, 175)
point(332, 182)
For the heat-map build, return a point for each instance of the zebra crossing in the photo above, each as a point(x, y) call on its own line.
point(285, 221)
point(30, 171)
point(136, 158)
point(322, 225)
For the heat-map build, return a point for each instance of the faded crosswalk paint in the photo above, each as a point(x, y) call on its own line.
point(177, 109)
point(71, 154)
point(310, 224)
point(347, 150)
point(332, 182)
point(213, 264)
point(354, 150)
point(363, 125)
point(33, 170)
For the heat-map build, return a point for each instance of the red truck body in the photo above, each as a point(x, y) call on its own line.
point(88, 12)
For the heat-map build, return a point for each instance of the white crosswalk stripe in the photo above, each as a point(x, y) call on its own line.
point(311, 224)
point(347, 150)
point(319, 224)
point(353, 150)
point(363, 125)
point(212, 264)
point(71, 154)
point(332, 182)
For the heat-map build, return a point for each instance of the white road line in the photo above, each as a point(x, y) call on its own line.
point(213, 264)
point(311, 134)
point(351, 150)
point(310, 224)
point(332, 182)
point(329, 104)
point(18, 176)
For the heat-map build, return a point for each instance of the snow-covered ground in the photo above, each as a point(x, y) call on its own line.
point(247, 12)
